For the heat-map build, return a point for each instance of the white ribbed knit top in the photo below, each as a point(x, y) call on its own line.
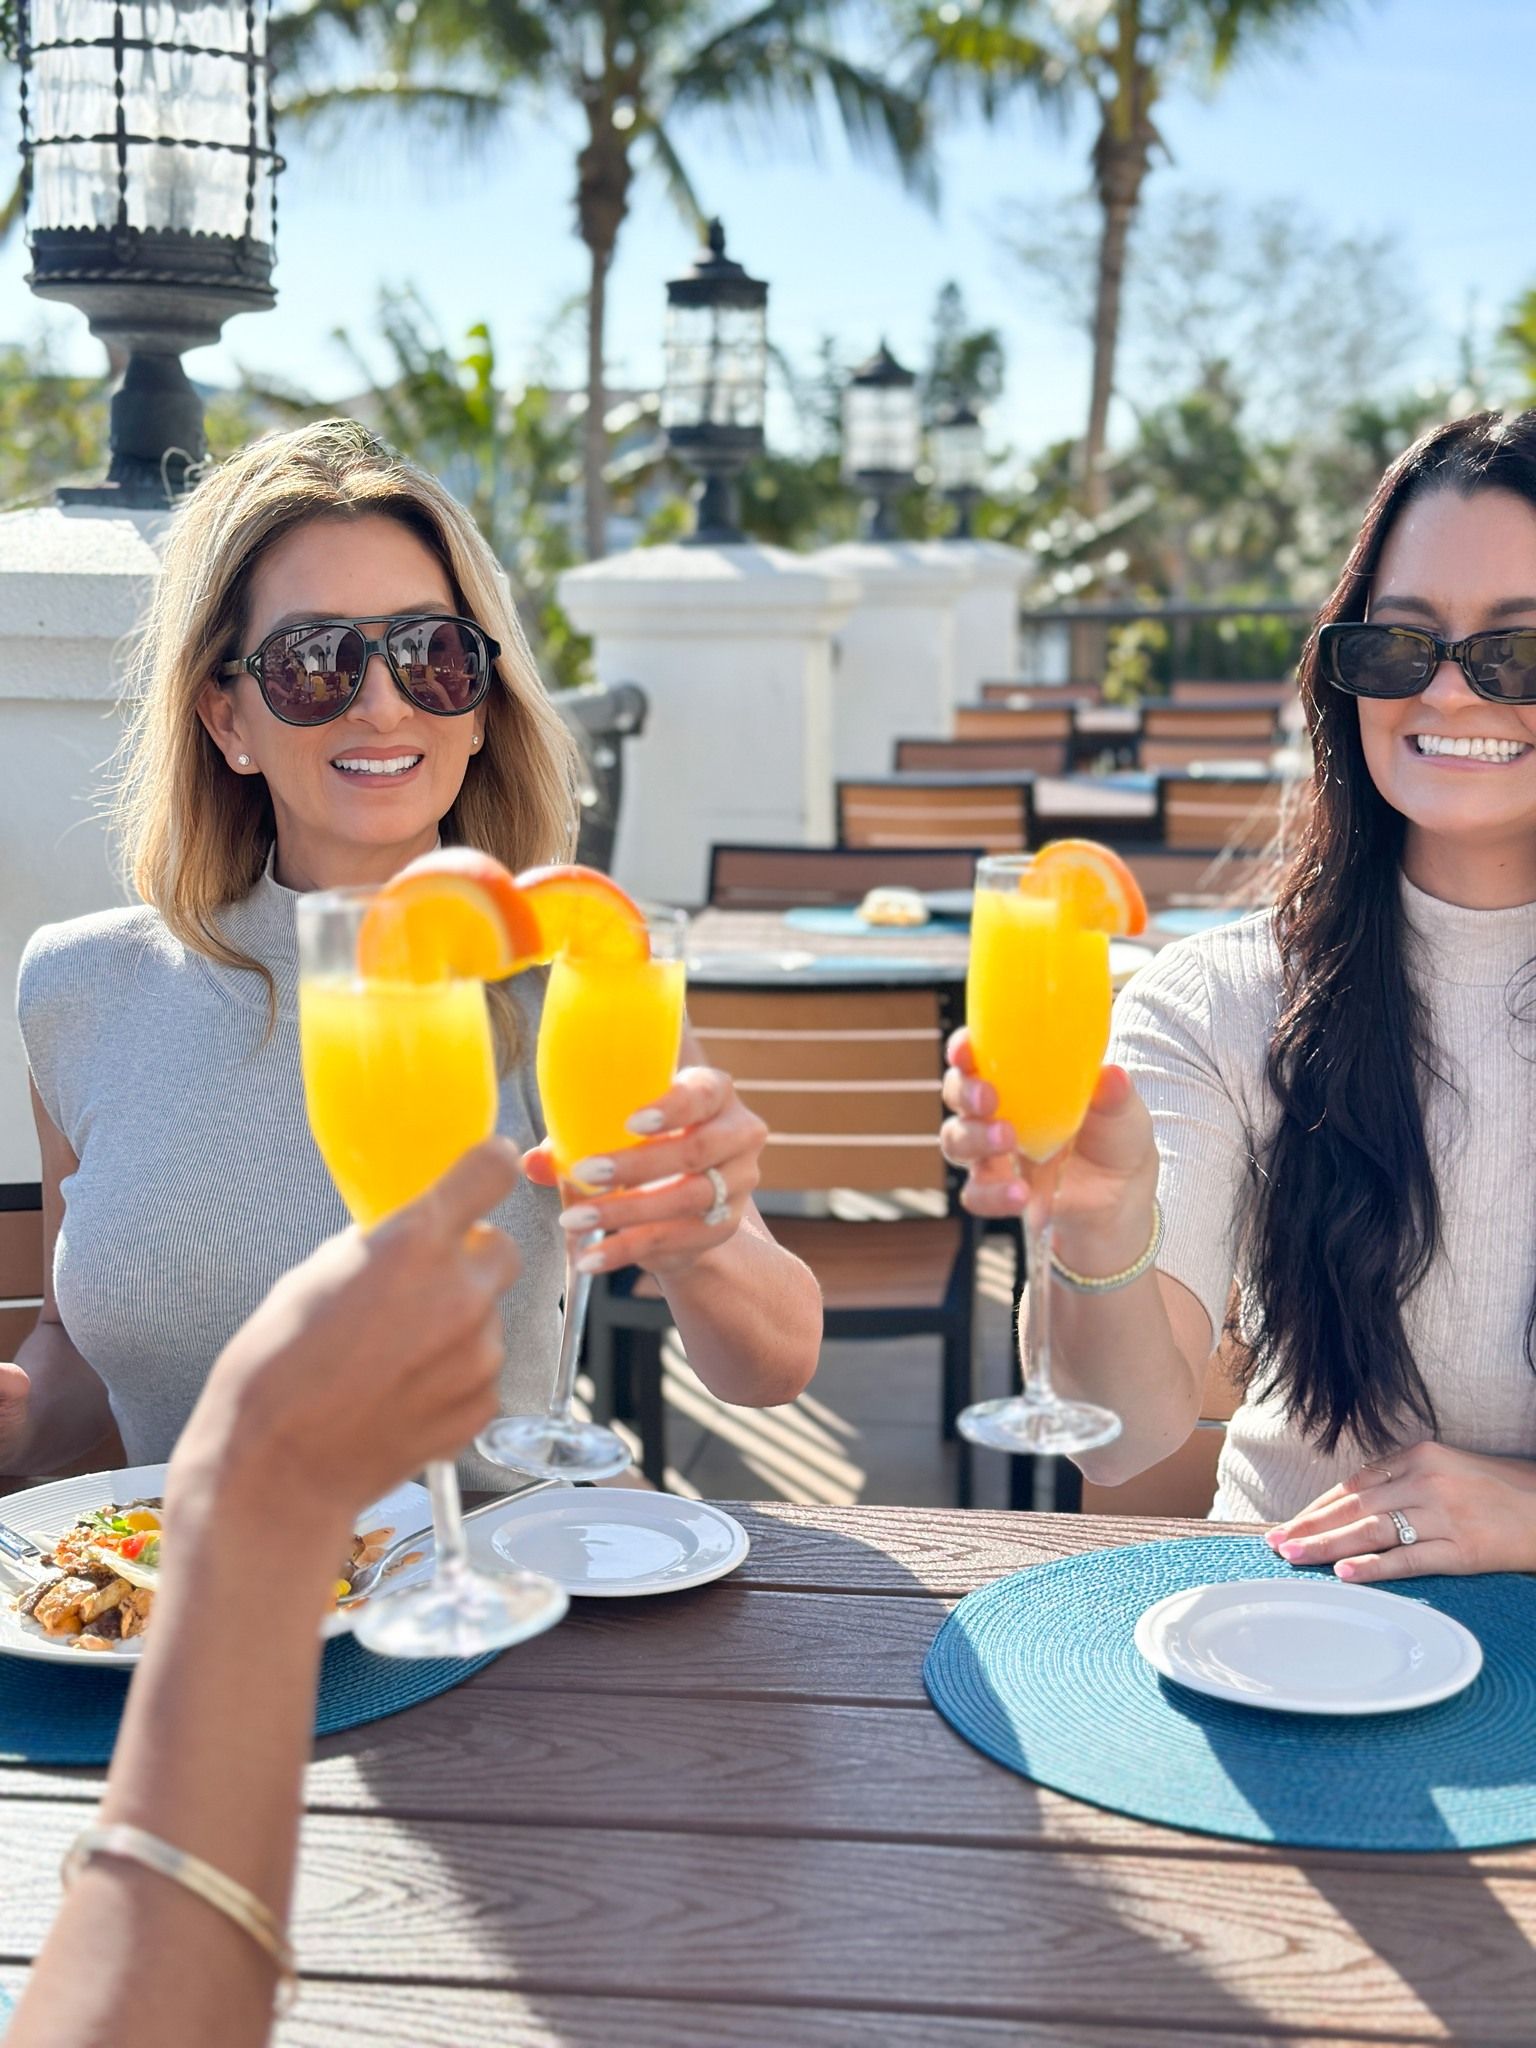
point(1194, 1031)
point(199, 1183)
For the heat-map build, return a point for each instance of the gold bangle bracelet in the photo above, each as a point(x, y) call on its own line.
point(1088, 1283)
point(224, 1894)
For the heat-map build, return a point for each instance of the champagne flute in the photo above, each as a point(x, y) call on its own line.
point(608, 1045)
point(1037, 1003)
point(399, 1082)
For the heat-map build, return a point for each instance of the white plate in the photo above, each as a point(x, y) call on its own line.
point(1309, 1646)
point(616, 1542)
point(45, 1512)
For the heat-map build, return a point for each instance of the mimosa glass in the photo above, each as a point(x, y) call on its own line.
point(399, 1082)
point(1037, 1004)
point(608, 1045)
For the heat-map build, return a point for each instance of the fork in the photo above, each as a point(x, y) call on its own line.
point(422, 1540)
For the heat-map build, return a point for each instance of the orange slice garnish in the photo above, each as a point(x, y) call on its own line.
point(1101, 892)
point(453, 915)
point(585, 914)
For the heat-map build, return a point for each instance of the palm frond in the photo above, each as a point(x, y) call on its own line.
point(674, 175)
point(1232, 26)
point(436, 109)
point(983, 58)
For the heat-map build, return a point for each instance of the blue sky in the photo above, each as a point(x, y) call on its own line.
point(1406, 117)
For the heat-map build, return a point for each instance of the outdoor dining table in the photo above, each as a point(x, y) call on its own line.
point(731, 1819)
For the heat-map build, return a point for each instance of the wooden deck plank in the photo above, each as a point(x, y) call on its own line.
point(400, 2016)
point(983, 1933)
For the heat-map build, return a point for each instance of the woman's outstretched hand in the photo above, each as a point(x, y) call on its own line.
point(1469, 1513)
point(655, 1201)
point(1104, 1182)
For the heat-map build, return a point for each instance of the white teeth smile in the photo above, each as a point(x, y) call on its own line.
point(398, 766)
point(1471, 750)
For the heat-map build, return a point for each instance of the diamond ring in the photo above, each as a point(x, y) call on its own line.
point(720, 1208)
point(1406, 1532)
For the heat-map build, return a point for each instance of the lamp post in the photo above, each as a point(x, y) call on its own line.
point(149, 176)
point(716, 380)
point(957, 442)
point(882, 434)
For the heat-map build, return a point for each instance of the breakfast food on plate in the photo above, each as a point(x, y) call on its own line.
point(894, 907)
point(106, 1569)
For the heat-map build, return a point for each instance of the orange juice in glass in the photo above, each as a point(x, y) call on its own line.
point(608, 1045)
point(1037, 1002)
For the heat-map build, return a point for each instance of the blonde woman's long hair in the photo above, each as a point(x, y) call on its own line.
point(196, 837)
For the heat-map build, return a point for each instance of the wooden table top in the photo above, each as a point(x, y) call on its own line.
point(730, 1819)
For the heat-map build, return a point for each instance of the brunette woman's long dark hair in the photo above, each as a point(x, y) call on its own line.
point(1346, 1218)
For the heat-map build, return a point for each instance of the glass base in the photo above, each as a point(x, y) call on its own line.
point(552, 1449)
point(1040, 1429)
point(461, 1613)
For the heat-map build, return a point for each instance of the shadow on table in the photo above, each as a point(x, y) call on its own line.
point(778, 1881)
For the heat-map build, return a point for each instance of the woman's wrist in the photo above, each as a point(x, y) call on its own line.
point(1098, 1247)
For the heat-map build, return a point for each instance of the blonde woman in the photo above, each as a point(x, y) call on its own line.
point(331, 680)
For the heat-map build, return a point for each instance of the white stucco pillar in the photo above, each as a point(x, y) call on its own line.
point(73, 585)
point(733, 648)
point(896, 655)
point(987, 615)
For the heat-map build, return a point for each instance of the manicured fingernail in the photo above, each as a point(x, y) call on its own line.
point(645, 1123)
point(592, 1173)
point(1017, 1192)
point(1292, 1551)
point(582, 1217)
point(1000, 1136)
point(590, 1262)
point(971, 1096)
point(1345, 1569)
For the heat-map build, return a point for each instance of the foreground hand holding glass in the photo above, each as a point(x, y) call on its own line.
point(400, 1081)
point(608, 1045)
point(1038, 999)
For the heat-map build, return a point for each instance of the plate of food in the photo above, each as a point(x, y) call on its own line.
point(101, 1535)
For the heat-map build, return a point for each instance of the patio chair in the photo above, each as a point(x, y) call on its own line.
point(1217, 811)
point(1275, 694)
point(1178, 735)
point(789, 877)
point(848, 1082)
point(1173, 877)
point(1048, 727)
point(967, 757)
point(993, 812)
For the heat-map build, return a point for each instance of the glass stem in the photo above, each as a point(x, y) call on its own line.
point(1039, 1236)
point(447, 1518)
point(578, 1292)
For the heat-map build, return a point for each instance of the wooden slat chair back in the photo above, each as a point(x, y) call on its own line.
point(1171, 877)
point(1157, 754)
point(848, 1082)
point(1185, 1483)
point(21, 1262)
point(936, 811)
point(787, 877)
point(1276, 695)
point(1240, 812)
point(1049, 727)
point(970, 757)
point(1178, 735)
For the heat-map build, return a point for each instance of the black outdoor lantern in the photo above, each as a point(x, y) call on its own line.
point(150, 178)
point(882, 436)
point(717, 372)
point(958, 447)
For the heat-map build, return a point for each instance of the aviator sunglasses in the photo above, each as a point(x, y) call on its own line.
point(1399, 661)
point(309, 674)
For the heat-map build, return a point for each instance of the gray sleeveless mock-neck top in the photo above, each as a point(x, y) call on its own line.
point(199, 1183)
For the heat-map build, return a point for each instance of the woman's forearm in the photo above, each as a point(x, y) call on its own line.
point(68, 1412)
point(749, 1316)
point(211, 1756)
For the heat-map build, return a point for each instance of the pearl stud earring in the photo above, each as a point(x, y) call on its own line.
point(474, 739)
point(243, 760)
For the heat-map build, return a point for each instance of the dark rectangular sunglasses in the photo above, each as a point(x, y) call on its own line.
point(309, 674)
point(1398, 661)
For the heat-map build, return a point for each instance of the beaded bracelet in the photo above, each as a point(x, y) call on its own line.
point(1087, 1283)
point(224, 1894)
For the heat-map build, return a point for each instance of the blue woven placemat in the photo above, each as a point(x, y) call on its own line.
point(1039, 1670)
point(52, 1715)
point(840, 921)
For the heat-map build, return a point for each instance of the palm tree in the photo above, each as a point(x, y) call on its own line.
point(1120, 56)
point(636, 69)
